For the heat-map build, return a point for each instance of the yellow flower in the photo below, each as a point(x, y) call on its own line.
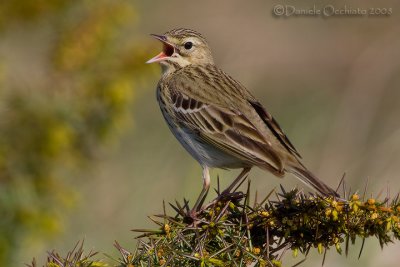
point(256, 250)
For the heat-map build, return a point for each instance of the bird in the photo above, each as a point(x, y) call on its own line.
point(217, 120)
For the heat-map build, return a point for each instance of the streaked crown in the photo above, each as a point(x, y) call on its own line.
point(182, 47)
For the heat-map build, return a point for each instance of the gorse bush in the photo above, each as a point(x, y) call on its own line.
point(230, 231)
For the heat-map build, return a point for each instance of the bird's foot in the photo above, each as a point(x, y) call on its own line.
point(225, 197)
point(230, 196)
point(192, 217)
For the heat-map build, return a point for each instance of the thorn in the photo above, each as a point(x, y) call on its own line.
point(323, 259)
point(362, 247)
point(217, 191)
point(267, 233)
point(164, 210)
point(387, 194)
point(282, 189)
point(157, 222)
point(186, 204)
point(300, 262)
point(218, 186)
point(255, 199)
point(178, 205)
point(341, 183)
point(365, 189)
point(240, 183)
point(267, 197)
point(396, 199)
point(175, 208)
point(277, 196)
point(247, 199)
point(222, 211)
point(308, 250)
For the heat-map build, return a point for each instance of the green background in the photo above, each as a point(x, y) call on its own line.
point(85, 153)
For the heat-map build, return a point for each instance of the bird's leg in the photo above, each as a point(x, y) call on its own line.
point(242, 176)
point(204, 191)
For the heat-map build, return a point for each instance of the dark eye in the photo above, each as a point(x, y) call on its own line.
point(188, 45)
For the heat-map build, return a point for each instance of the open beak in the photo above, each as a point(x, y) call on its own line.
point(168, 49)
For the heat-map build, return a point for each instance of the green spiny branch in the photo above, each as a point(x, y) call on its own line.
point(230, 231)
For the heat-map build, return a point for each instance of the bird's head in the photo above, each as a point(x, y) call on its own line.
point(182, 47)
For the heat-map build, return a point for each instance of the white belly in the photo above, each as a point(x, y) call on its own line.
point(204, 153)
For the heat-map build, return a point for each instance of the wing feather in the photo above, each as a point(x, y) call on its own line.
point(226, 129)
point(274, 127)
point(223, 113)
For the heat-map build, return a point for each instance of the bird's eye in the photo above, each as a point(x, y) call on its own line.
point(188, 45)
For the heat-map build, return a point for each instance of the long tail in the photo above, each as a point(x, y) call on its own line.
point(310, 179)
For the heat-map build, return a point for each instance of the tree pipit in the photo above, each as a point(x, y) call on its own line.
point(216, 119)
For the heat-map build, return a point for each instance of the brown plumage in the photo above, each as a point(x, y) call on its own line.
point(218, 121)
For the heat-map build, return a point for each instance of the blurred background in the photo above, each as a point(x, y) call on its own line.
point(85, 153)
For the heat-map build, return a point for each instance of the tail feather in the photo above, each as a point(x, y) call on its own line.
point(310, 179)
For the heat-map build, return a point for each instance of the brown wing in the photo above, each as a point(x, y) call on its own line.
point(274, 127)
point(226, 129)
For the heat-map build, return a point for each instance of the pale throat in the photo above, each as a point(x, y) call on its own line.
point(168, 67)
